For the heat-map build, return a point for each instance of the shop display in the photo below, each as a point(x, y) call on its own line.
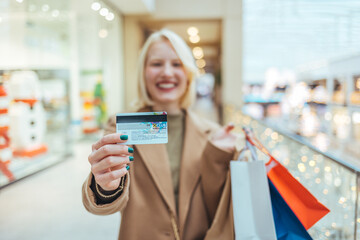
point(5, 151)
point(27, 127)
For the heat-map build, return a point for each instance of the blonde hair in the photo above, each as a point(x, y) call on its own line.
point(184, 53)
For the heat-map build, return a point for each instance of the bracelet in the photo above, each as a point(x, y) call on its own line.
point(121, 187)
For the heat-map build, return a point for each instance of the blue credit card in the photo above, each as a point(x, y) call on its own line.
point(143, 127)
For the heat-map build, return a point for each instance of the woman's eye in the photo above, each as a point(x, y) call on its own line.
point(177, 64)
point(155, 64)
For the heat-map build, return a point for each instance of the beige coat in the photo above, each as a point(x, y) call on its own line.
point(147, 204)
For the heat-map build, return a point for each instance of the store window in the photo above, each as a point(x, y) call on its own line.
point(58, 63)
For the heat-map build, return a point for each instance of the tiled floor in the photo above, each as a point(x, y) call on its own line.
point(48, 205)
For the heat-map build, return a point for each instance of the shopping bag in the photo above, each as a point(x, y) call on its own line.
point(287, 225)
point(252, 209)
point(304, 205)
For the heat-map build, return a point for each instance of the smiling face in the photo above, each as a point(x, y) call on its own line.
point(165, 76)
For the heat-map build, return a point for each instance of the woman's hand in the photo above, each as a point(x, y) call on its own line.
point(108, 160)
point(224, 139)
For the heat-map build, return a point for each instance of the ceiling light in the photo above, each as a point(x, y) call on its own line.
point(103, 33)
point(45, 7)
point(110, 16)
point(200, 63)
point(194, 39)
point(104, 12)
point(192, 31)
point(198, 52)
point(95, 6)
point(55, 13)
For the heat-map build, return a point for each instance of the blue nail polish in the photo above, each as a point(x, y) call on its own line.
point(124, 137)
point(130, 150)
point(131, 158)
point(127, 168)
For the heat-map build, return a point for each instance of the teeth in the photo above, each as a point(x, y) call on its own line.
point(166, 85)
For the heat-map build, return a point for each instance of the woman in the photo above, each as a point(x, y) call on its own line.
point(170, 191)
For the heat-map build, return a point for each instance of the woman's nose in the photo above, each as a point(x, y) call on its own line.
point(168, 70)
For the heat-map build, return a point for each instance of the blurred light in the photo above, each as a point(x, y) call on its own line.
point(194, 39)
point(103, 33)
point(198, 52)
point(316, 170)
point(274, 136)
point(312, 163)
point(268, 131)
point(318, 180)
point(19, 1)
point(327, 233)
point(110, 16)
point(95, 6)
point(353, 188)
point(325, 191)
point(304, 158)
point(337, 182)
point(327, 169)
point(328, 116)
point(356, 117)
point(200, 63)
point(192, 31)
point(104, 12)
point(55, 13)
point(202, 71)
point(333, 225)
point(342, 200)
point(301, 167)
point(45, 7)
point(358, 220)
point(286, 161)
point(0, 19)
point(358, 83)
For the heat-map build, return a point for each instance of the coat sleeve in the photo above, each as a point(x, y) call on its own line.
point(88, 196)
point(89, 199)
point(214, 168)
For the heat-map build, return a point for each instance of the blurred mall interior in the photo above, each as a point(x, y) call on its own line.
point(290, 70)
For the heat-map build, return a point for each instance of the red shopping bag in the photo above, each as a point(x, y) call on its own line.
point(305, 206)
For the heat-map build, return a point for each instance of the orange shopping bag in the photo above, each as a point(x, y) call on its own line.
point(305, 206)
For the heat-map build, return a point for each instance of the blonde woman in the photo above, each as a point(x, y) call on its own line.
point(163, 191)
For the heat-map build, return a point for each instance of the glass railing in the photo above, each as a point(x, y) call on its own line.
point(333, 182)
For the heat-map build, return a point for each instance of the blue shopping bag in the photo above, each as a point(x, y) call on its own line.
point(287, 225)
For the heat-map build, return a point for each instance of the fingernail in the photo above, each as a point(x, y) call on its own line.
point(127, 168)
point(124, 137)
point(131, 158)
point(130, 150)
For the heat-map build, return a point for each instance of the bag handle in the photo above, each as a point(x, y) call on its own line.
point(251, 138)
point(248, 146)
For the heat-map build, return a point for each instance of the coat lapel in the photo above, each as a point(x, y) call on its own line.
point(195, 137)
point(156, 159)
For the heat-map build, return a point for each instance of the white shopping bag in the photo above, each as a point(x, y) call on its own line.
point(252, 209)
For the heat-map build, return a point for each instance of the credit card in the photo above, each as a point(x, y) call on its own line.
point(143, 127)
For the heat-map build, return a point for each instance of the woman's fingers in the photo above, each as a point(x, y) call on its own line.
point(110, 139)
point(106, 179)
point(109, 150)
point(112, 162)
